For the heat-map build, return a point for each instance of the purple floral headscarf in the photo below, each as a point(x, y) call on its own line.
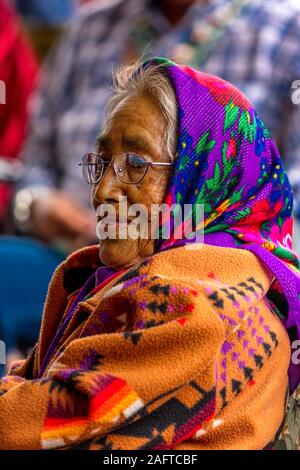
point(227, 161)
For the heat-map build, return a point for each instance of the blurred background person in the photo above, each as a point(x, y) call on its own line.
point(45, 20)
point(18, 69)
point(26, 265)
point(43, 11)
point(253, 44)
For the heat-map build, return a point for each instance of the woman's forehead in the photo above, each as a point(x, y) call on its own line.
point(138, 127)
point(125, 138)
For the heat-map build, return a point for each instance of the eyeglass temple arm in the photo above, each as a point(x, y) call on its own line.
point(103, 161)
point(160, 163)
point(80, 164)
point(150, 163)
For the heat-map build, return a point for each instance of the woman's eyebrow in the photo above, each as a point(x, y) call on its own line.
point(135, 142)
point(131, 142)
point(103, 141)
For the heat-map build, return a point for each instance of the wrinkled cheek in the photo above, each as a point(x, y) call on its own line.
point(156, 189)
point(161, 192)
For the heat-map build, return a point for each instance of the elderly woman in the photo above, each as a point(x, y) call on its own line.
point(166, 342)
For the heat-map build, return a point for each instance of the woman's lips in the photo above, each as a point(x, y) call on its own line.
point(104, 225)
point(106, 221)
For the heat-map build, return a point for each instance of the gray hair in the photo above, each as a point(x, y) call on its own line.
point(150, 81)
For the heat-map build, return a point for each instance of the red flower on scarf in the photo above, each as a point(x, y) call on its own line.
point(231, 150)
point(260, 212)
point(222, 91)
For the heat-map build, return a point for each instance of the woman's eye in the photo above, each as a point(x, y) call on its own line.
point(134, 161)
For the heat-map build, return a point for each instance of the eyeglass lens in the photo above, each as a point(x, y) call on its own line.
point(129, 168)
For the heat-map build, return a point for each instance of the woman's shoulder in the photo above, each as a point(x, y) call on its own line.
point(200, 262)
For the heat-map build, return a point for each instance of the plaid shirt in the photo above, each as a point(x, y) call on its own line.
point(258, 50)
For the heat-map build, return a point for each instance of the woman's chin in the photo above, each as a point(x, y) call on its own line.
point(124, 253)
point(116, 253)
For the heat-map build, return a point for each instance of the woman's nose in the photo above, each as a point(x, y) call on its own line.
point(108, 189)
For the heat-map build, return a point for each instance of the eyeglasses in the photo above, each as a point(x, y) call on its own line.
point(130, 168)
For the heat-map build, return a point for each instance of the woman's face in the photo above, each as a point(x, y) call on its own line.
point(137, 126)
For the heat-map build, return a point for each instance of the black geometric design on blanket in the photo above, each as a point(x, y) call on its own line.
point(135, 272)
point(246, 332)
